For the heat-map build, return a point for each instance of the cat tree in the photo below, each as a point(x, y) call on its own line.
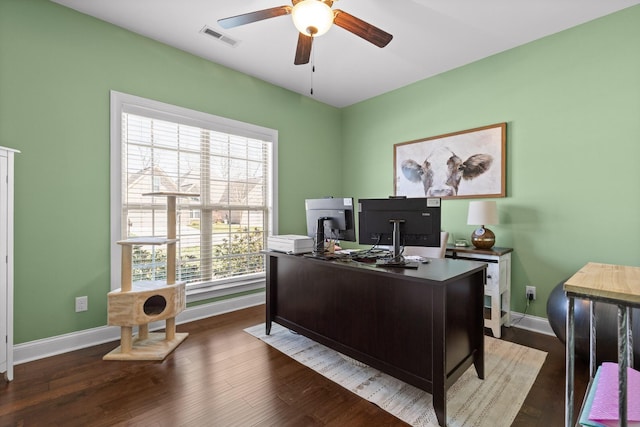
point(142, 302)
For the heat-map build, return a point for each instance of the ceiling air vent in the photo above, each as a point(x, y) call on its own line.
point(215, 34)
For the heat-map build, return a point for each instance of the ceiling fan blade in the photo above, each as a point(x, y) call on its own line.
point(362, 29)
point(258, 15)
point(303, 51)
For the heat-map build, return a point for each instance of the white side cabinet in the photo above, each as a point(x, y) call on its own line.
point(6, 261)
point(498, 286)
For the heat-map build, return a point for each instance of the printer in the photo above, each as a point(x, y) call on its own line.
point(290, 243)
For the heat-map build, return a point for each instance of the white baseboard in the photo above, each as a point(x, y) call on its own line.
point(531, 323)
point(39, 349)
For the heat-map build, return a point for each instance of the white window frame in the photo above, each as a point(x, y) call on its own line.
point(122, 102)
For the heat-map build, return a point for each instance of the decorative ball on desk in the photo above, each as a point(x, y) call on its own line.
point(483, 238)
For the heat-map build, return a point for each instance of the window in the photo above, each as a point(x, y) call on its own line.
point(225, 171)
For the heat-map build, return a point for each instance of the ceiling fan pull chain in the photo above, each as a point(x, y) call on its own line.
point(313, 68)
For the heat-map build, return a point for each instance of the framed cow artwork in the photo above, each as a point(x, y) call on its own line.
point(465, 164)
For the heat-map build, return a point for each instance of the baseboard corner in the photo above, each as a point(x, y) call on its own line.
point(531, 323)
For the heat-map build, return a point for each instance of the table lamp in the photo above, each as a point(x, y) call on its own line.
point(482, 213)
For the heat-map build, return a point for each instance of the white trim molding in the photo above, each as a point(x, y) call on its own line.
point(39, 349)
point(531, 323)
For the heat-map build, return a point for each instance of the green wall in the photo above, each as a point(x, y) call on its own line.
point(571, 101)
point(57, 67)
point(572, 106)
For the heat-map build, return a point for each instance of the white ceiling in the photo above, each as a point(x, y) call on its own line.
point(429, 37)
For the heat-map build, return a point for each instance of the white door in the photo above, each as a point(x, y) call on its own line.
point(4, 308)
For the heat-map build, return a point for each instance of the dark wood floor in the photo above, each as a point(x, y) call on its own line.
point(222, 376)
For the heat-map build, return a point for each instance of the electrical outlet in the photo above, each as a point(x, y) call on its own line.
point(530, 293)
point(82, 304)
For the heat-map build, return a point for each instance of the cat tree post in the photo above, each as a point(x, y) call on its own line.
point(170, 323)
point(142, 302)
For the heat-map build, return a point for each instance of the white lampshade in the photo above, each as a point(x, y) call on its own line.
point(312, 17)
point(482, 213)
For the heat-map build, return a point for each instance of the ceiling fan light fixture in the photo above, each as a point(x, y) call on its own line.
point(312, 17)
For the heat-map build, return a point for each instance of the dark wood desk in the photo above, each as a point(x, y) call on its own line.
point(422, 326)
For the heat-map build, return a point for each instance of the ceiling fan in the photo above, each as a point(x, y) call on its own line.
point(312, 18)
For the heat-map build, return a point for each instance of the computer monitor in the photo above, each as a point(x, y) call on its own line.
point(330, 218)
point(399, 222)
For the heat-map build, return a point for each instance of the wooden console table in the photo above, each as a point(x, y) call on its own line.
point(614, 284)
point(498, 287)
point(423, 326)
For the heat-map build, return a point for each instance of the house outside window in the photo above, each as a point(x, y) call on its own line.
point(225, 169)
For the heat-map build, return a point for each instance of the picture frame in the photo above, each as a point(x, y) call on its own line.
point(458, 165)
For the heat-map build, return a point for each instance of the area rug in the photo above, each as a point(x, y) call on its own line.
point(510, 371)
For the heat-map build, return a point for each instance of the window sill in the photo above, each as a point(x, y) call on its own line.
point(224, 289)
